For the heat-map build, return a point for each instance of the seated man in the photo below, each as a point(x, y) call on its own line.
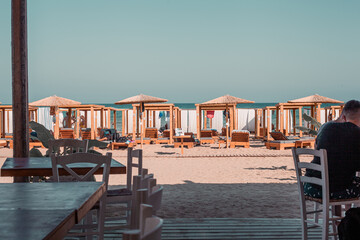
point(341, 139)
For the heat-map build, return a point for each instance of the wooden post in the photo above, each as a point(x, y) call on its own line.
point(281, 116)
point(318, 112)
point(92, 134)
point(204, 120)
point(171, 124)
point(154, 119)
point(300, 121)
point(20, 81)
point(96, 123)
point(2, 124)
point(77, 128)
point(227, 126)
point(86, 118)
point(69, 118)
point(287, 115)
point(268, 125)
point(198, 120)
point(57, 123)
point(264, 123)
point(134, 131)
point(294, 121)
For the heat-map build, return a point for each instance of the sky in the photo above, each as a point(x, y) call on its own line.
point(187, 51)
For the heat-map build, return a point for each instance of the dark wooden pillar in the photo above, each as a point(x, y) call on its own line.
point(20, 80)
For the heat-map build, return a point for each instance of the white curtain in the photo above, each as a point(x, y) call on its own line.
point(184, 120)
point(246, 119)
point(192, 121)
point(218, 121)
point(45, 118)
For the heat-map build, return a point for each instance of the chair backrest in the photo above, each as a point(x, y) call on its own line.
point(151, 133)
point(96, 161)
point(149, 228)
point(66, 133)
point(85, 134)
point(130, 164)
point(206, 133)
point(240, 136)
point(278, 136)
point(301, 166)
point(67, 146)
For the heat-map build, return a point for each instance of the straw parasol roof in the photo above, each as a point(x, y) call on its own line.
point(141, 98)
point(315, 99)
point(55, 101)
point(227, 99)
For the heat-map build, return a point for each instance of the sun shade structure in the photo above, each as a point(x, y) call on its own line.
point(315, 99)
point(221, 103)
point(141, 99)
point(54, 101)
point(227, 99)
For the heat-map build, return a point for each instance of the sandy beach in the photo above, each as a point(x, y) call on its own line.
point(219, 183)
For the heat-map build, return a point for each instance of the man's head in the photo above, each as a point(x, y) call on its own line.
point(351, 112)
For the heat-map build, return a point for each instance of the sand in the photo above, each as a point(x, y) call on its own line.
point(220, 183)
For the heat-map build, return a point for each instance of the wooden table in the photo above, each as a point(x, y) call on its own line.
point(45, 210)
point(221, 140)
point(41, 166)
point(182, 141)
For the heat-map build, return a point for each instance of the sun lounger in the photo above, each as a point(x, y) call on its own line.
point(206, 136)
point(280, 141)
point(240, 138)
point(151, 133)
point(165, 138)
point(66, 133)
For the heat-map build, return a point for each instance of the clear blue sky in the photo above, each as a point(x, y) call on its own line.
point(187, 50)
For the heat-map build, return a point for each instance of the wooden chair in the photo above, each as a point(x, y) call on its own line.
point(206, 136)
point(151, 195)
point(150, 226)
point(125, 195)
point(328, 205)
point(98, 161)
point(66, 133)
point(67, 146)
point(85, 134)
point(240, 138)
point(151, 133)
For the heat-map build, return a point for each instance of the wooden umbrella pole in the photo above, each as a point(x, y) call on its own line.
point(227, 127)
point(141, 124)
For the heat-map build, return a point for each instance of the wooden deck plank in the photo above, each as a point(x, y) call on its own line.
point(229, 228)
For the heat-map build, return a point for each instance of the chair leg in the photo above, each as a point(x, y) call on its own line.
point(325, 228)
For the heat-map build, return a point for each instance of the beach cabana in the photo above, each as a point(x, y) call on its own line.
point(140, 99)
point(82, 113)
point(225, 103)
point(6, 118)
point(54, 102)
point(333, 112)
point(317, 100)
point(149, 117)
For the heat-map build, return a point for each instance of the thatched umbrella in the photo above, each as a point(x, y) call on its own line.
point(315, 99)
point(141, 99)
point(226, 100)
point(54, 102)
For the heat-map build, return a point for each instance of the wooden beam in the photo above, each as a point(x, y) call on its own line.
point(171, 124)
point(20, 99)
point(198, 121)
point(300, 121)
point(92, 133)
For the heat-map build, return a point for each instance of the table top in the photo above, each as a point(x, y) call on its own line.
point(183, 136)
point(45, 210)
point(41, 166)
